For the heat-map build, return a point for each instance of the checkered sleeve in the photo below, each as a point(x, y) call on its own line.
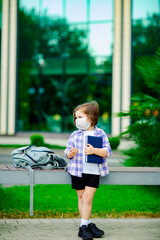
point(106, 144)
point(75, 163)
point(70, 144)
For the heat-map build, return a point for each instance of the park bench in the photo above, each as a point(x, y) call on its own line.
point(118, 176)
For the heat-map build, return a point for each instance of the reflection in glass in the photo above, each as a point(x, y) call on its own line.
point(101, 10)
point(146, 22)
point(76, 10)
point(30, 5)
point(52, 8)
point(145, 40)
point(100, 89)
point(101, 65)
point(100, 39)
point(77, 61)
point(76, 66)
point(77, 40)
point(144, 8)
point(43, 7)
point(0, 26)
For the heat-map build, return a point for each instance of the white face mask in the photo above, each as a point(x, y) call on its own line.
point(82, 124)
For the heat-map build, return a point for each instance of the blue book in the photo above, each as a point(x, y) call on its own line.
point(96, 142)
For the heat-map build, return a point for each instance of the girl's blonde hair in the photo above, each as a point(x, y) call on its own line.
point(90, 109)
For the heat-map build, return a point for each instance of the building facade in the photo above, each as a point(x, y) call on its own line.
point(58, 54)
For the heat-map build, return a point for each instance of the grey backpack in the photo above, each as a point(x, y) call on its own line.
point(37, 157)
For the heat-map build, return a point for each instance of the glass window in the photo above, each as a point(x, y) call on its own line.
point(63, 62)
point(145, 22)
point(100, 39)
point(101, 65)
point(78, 39)
point(0, 35)
point(30, 5)
point(52, 8)
point(76, 10)
point(52, 66)
point(144, 8)
point(76, 66)
point(0, 14)
point(43, 7)
point(145, 37)
point(100, 90)
point(101, 10)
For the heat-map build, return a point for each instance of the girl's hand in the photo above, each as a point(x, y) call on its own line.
point(89, 149)
point(72, 152)
point(102, 152)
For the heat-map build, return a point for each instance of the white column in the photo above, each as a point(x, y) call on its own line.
point(116, 71)
point(4, 67)
point(8, 67)
point(126, 69)
point(12, 67)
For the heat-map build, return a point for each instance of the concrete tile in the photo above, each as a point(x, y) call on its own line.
point(67, 229)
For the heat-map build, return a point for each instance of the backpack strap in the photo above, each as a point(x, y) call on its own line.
point(29, 157)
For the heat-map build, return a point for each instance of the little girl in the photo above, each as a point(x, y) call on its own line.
point(85, 176)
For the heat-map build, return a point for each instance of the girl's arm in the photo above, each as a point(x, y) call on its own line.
point(103, 152)
point(89, 150)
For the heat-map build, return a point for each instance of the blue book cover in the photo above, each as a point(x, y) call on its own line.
point(96, 142)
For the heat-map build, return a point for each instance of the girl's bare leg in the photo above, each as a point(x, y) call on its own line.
point(85, 198)
point(80, 200)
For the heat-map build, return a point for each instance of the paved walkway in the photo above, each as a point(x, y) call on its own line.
point(67, 229)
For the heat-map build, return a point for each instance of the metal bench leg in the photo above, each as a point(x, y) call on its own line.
point(31, 191)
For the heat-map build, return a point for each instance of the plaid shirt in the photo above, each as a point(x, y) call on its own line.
point(76, 163)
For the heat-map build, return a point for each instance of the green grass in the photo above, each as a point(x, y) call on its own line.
point(54, 201)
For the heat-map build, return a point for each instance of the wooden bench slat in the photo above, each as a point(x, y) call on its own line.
point(3, 167)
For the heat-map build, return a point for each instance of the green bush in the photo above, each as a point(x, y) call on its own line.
point(145, 115)
point(37, 140)
point(146, 152)
point(114, 142)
